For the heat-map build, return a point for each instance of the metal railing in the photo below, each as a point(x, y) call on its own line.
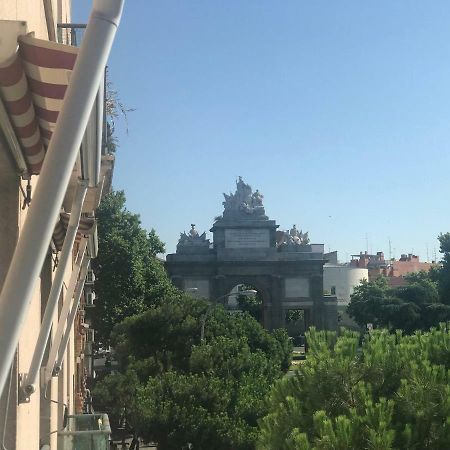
point(85, 432)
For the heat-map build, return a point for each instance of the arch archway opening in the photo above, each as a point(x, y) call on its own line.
point(246, 298)
point(296, 324)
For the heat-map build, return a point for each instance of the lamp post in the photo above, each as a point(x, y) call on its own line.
point(246, 293)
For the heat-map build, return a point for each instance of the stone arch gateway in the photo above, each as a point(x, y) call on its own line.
point(247, 248)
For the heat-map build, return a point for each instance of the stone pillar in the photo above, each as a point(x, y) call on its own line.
point(218, 288)
point(267, 312)
point(316, 290)
point(178, 282)
point(273, 313)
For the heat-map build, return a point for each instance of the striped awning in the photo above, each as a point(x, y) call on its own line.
point(33, 83)
point(85, 227)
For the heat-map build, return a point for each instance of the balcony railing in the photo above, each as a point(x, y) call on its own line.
point(85, 432)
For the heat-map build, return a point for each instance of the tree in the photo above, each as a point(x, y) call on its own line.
point(444, 272)
point(129, 277)
point(392, 392)
point(193, 391)
point(367, 300)
point(413, 307)
point(252, 304)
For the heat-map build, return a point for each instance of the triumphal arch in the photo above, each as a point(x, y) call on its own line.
point(247, 248)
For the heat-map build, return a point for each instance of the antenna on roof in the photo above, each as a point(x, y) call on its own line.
point(367, 243)
point(390, 249)
point(428, 259)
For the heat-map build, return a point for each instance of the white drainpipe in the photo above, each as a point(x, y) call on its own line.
point(59, 345)
point(29, 382)
point(35, 237)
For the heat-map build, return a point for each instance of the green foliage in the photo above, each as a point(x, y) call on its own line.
point(191, 391)
point(416, 306)
point(393, 392)
point(191, 408)
point(444, 273)
point(295, 315)
point(253, 304)
point(129, 278)
point(423, 303)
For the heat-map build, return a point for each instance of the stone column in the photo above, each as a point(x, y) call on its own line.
point(218, 288)
point(273, 313)
point(178, 282)
point(316, 290)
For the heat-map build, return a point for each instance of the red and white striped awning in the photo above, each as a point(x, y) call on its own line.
point(85, 228)
point(33, 83)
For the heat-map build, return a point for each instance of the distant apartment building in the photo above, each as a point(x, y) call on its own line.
point(41, 389)
point(395, 270)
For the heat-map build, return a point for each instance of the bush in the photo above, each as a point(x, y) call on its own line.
point(392, 392)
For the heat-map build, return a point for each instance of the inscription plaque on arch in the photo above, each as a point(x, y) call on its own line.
point(247, 238)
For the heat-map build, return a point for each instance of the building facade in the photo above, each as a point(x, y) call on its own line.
point(394, 269)
point(43, 387)
point(340, 280)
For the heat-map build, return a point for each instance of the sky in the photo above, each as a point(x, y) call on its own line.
point(338, 112)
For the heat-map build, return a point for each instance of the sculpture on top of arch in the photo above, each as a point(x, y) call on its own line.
point(244, 202)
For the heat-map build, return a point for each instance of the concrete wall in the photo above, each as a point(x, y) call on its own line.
point(343, 279)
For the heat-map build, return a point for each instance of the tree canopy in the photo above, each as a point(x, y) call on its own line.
point(129, 277)
point(253, 304)
point(443, 275)
point(176, 389)
point(416, 306)
point(422, 303)
point(392, 392)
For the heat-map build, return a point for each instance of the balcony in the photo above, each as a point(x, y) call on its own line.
point(89, 299)
point(90, 277)
point(85, 432)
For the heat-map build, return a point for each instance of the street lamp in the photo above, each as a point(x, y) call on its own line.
point(245, 293)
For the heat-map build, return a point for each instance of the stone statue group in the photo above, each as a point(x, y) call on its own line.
point(244, 200)
point(290, 239)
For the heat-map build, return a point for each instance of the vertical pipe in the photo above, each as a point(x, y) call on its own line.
point(58, 344)
point(52, 301)
point(29, 382)
point(55, 175)
point(64, 314)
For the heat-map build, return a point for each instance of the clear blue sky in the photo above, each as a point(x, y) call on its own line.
point(338, 112)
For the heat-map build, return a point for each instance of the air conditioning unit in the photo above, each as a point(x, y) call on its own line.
point(90, 277)
point(90, 299)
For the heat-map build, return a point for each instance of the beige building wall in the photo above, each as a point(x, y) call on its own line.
point(34, 13)
point(28, 422)
point(28, 425)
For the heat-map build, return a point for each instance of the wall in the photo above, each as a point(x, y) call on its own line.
point(344, 279)
point(28, 424)
point(33, 12)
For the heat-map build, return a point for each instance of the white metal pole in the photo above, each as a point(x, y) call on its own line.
point(58, 344)
point(29, 382)
point(52, 301)
point(35, 237)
